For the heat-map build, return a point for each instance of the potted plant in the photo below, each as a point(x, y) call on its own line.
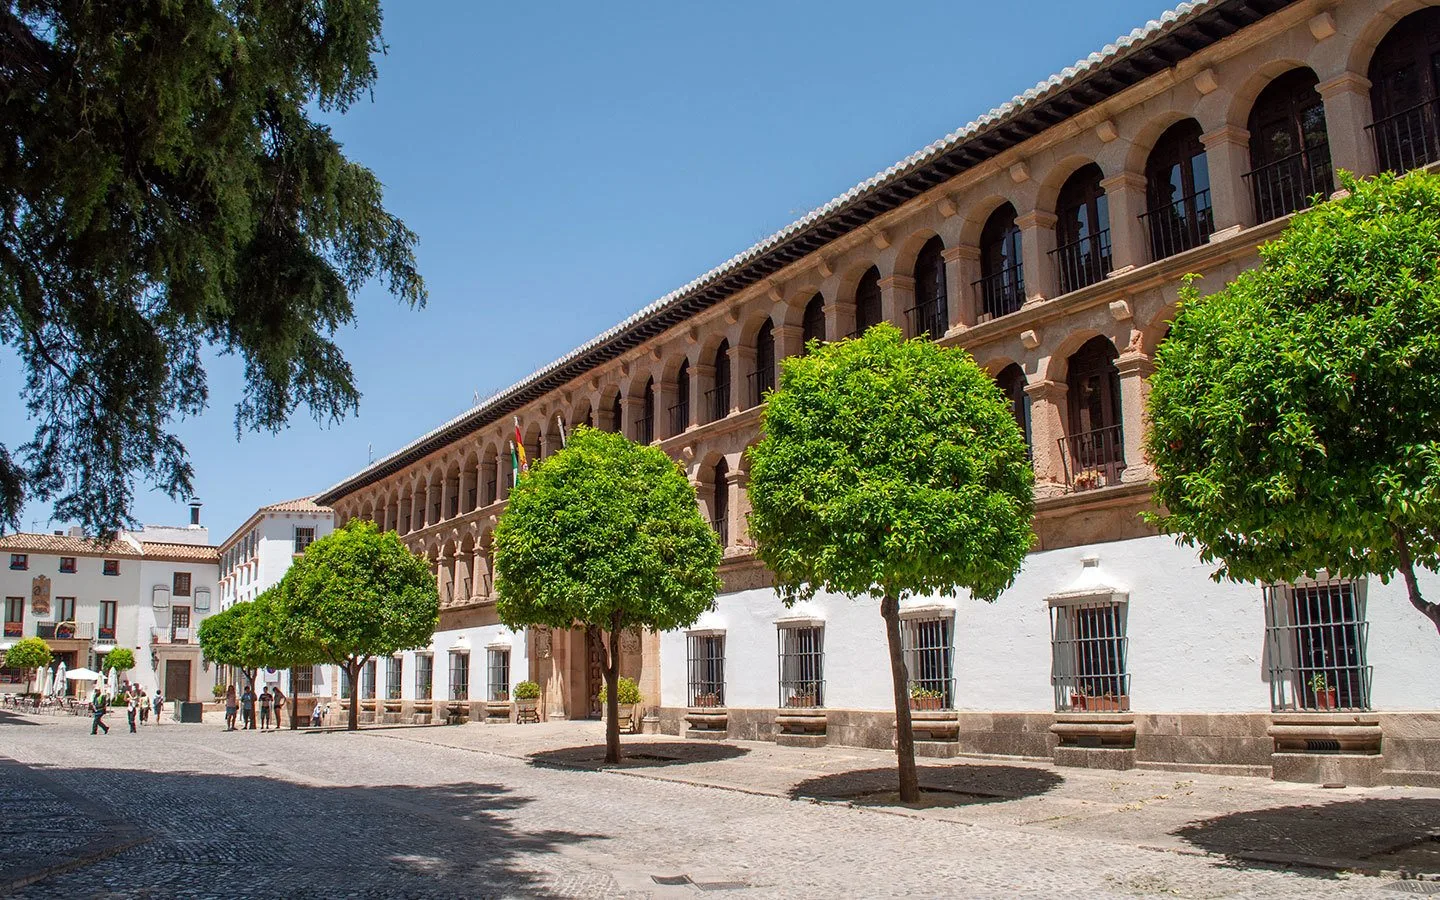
point(708, 700)
point(922, 698)
point(1087, 480)
point(1325, 695)
point(805, 694)
point(527, 701)
point(627, 695)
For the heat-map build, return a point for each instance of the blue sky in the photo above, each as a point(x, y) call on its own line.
point(565, 164)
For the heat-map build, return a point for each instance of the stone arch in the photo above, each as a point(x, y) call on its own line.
point(1362, 48)
point(1243, 98)
point(1149, 134)
point(1059, 363)
point(907, 250)
point(582, 413)
point(977, 213)
point(1048, 193)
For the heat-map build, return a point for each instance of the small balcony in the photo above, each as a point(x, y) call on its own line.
point(926, 318)
point(1093, 459)
point(66, 631)
point(1083, 262)
point(1002, 292)
point(717, 402)
point(1179, 226)
point(721, 525)
point(679, 417)
point(1292, 183)
point(760, 382)
point(175, 635)
point(1410, 139)
point(645, 429)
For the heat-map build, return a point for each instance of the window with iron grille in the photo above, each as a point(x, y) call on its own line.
point(424, 675)
point(1088, 662)
point(498, 672)
point(706, 658)
point(1315, 636)
point(345, 689)
point(929, 661)
point(304, 537)
point(304, 680)
point(393, 668)
point(367, 681)
point(802, 665)
point(181, 584)
point(459, 676)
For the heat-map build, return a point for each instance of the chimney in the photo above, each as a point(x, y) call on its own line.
point(76, 531)
point(59, 532)
point(195, 513)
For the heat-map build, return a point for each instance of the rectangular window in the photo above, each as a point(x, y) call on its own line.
point(19, 561)
point(64, 610)
point(424, 675)
point(345, 692)
point(107, 620)
point(929, 661)
point(459, 676)
point(1088, 648)
point(706, 664)
point(304, 537)
point(393, 669)
point(802, 665)
point(110, 567)
point(67, 565)
point(499, 673)
point(304, 680)
point(367, 681)
point(14, 617)
point(181, 584)
point(1315, 637)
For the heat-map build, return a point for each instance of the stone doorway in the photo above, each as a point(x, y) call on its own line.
point(177, 679)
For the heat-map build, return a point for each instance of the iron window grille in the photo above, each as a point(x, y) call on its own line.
point(1088, 657)
point(761, 382)
point(929, 649)
point(304, 680)
point(367, 681)
point(1292, 183)
point(717, 401)
point(1410, 139)
point(459, 676)
point(1315, 645)
point(1093, 459)
point(424, 675)
point(705, 659)
point(498, 664)
point(394, 667)
point(304, 537)
point(802, 665)
point(180, 584)
point(679, 417)
point(644, 430)
point(1083, 262)
point(928, 319)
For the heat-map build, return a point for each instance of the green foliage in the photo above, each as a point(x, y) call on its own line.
point(605, 533)
point(527, 690)
point(889, 467)
point(226, 637)
point(1295, 413)
point(121, 659)
point(28, 653)
point(626, 691)
point(217, 691)
point(356, 593)
point(168, 189)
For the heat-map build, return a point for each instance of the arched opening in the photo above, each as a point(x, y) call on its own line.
point(1177, 188)
point(1405, 91)
point(867, 301)
point(720, 502)
point(489, 478)
point(645, 427)
point(1082, 230)
point(763, 378)
point(1012, 382)
point(1095, 447)
point(1002, 273)
point(717, 399)
point(931, 312)
point(680, 412)
point(617, 413)
point(812, 327)
point(1289, 148)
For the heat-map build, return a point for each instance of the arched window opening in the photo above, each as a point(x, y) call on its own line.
point(617, 413)
point(717, 399)
point(720, 502)
point(489, 480)
point(1002, 274)
point(867, 301)
point(813, 326)
point(763, 378)
point(1012, 382)
point(931, 312)
point(1289, 149)
point(680, 412)
point(1082, 230)
point(1094, 445)
point(1177, 188)
point(645, 428)
point(1405, 93)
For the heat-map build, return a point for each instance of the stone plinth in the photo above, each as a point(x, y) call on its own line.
point(1327, 748)
point(1095, 740)
point(707, 722)
point(800, 727)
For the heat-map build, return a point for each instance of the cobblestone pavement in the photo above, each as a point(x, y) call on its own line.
point(442, 812)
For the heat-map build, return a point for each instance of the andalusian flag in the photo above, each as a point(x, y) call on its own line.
point(517, 453)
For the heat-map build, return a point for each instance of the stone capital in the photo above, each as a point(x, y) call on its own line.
point(960, 252)
point(903, 282)
point(1344, 83)
point(1047, 391)
point(1226, 134)
point(1037, 218)
point(1132, 363)
point(1134, 181)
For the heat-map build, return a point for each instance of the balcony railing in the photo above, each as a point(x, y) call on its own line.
point(1093, 459)
point(174, 635)
point(1082, 263)
point(717, 402)
point(105, 633)
point(1289, 184)
point(63, 631)
point(645, 429)
point(926, 318)
point(1179, 226)
point(1409, 139)
point(1003, 292)
point(679, 417)
point(722, 528)
point(758, 382)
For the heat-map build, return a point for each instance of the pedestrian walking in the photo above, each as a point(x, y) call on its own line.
point(279, 706)
point(265, 701)
point(159, 704)
point(247, 709)
point(232, 706)
point(144, 707)
point(132, 708)
point(98, 705)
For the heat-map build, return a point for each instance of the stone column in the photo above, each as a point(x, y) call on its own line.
point(432, 494)
point(1037, 239)
point(461, 593)
point(1227, 154)
point(742, 363)
point(631, 409)
point(839, 319)
point(737, 506)
point(547, 446)
point(1047, 427)
point(700, 376)
point(479, 574)
point(1135, 368)
point(1125, 193)
point(789, 341)
point(666, 396)
point(962, 269)
point(502, 469)
point(442, 576)
point(605, 418)
point(417, 515)
point(469, 482)
point(1347, 112)
point(444, 499)
point(897, 296)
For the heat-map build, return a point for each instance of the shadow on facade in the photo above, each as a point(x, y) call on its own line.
point(642, 755)
point(940, 786)
point(224, 835)
point(1397, 833)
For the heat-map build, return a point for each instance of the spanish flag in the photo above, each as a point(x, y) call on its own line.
point(518, 460)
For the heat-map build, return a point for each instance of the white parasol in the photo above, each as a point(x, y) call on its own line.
point(82, 674)
point(58, 686)
point(111, 687)
point(44, 687)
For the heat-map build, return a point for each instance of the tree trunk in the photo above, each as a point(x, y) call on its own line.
point(352, 666)
point(610, 667)
point(294, 706)
point(904, 731)
point(249, 676)
point(1429, 610)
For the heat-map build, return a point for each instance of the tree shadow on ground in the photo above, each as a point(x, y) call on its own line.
point(640, 755)
point(223, 835)
point(941, 786)
point(1386, 833)
point(11, 717)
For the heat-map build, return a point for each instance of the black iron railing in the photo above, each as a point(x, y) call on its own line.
point(926, 318)
point(645, 429)
point(1003, 292)
point(1409, 139)
point(1292, 183)
point(679, 417)
point(758, 383)
point(1083, 262)
point(717, 402)
point(1179, 226)
point(721, 525)
point(1093, 459)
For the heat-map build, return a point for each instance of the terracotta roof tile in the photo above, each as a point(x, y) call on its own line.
point(64, 544)
point(180, 552)
point(300, 504)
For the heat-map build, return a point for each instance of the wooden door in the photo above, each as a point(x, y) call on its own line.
point(177, 679)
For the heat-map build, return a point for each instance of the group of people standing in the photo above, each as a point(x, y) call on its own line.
point(269, 700)
point(138, 706)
